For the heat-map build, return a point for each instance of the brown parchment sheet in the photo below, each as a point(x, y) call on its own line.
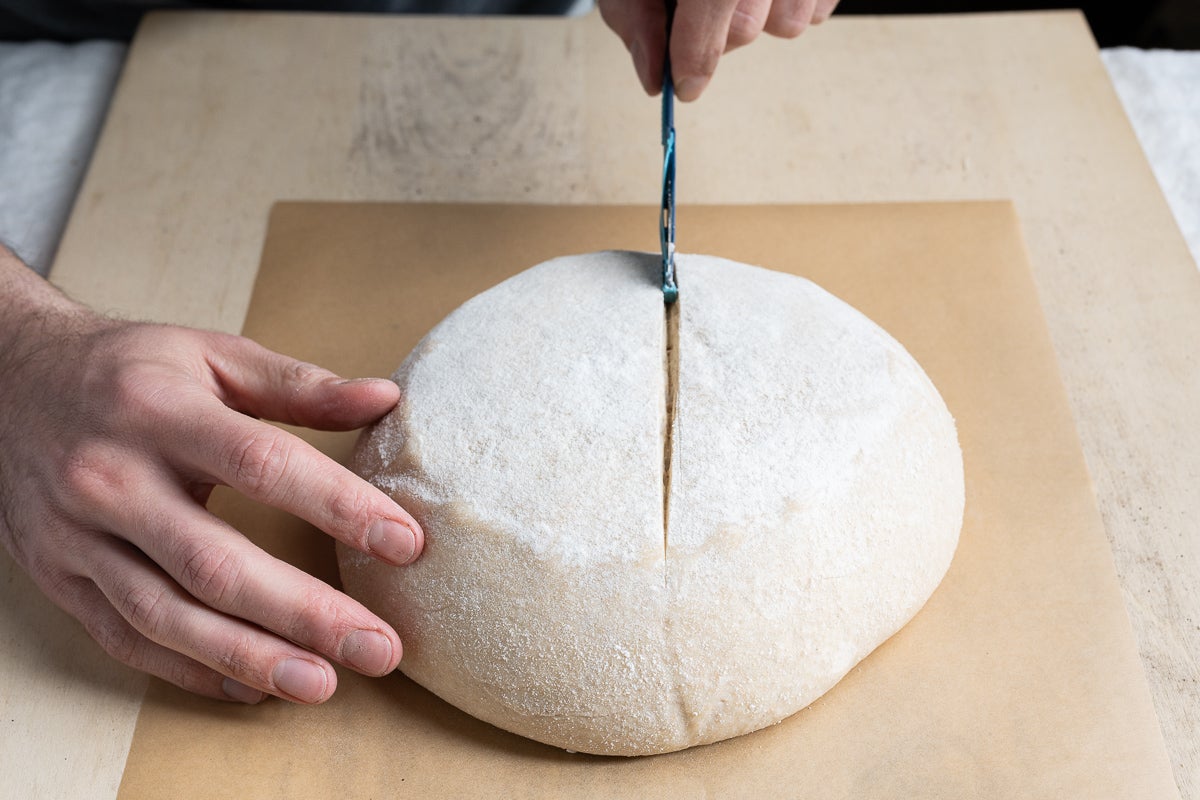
point(1018, 679)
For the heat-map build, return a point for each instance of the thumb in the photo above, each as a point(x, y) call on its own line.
point(257, 381)
point(642, 26)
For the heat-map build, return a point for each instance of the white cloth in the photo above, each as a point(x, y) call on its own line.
point(1160, 90)
point(52, 102)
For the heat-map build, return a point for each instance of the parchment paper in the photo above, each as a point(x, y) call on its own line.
point(1019, 678)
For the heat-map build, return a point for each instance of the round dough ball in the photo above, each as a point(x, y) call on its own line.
point(814, 501)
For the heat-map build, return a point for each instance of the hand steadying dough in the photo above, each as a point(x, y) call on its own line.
point(702, 32)
point(112, 436)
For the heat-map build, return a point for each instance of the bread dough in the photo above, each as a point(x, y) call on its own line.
point(815, 500)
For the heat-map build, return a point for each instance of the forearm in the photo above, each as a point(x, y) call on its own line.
point(24, 293)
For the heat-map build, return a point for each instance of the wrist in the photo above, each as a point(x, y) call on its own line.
point(34, 313)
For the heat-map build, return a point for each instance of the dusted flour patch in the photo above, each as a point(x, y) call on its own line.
point(814, 503)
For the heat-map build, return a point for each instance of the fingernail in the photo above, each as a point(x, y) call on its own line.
point(690, 88)
point(300, 679)
point(392, 541)
point(352, 381)
point(241, 692)
point(369, 652)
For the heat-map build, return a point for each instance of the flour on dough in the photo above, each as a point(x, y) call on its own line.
point(815, 502)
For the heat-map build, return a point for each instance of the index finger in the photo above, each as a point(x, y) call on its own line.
point(274, 467)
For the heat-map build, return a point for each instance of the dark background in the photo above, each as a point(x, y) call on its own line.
point(1173, 24)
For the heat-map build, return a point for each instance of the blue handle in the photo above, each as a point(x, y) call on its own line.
point(667, 216)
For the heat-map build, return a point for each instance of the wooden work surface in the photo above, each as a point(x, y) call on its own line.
point(217, 116)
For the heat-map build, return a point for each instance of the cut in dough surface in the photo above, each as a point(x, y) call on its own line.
point(815, 501)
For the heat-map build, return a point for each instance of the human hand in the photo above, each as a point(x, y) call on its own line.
point(703, 30)
point(112, 436)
